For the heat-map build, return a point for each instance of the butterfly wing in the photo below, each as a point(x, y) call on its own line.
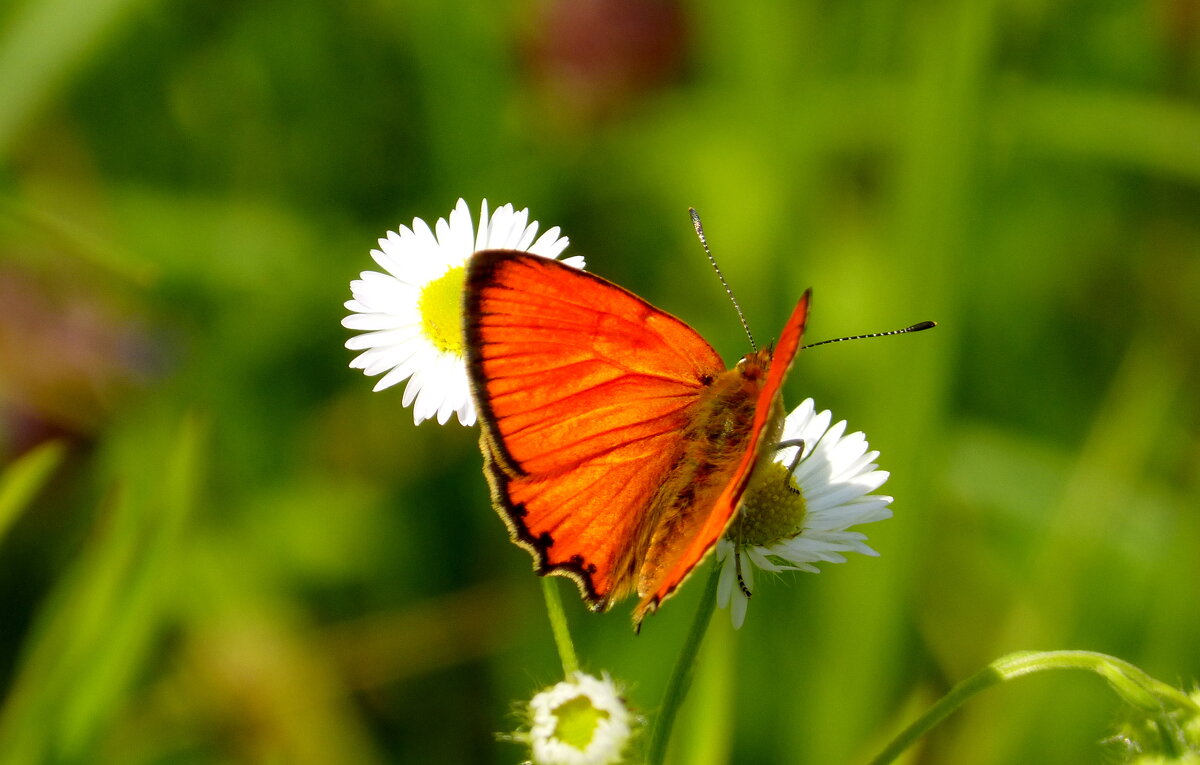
point(582, 389)
point(698, 536)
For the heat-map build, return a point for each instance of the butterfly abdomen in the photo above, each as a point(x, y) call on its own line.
point(717, 436)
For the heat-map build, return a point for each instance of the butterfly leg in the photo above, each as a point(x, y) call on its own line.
point(737, 557)
point(799, 444)
point(737, 566)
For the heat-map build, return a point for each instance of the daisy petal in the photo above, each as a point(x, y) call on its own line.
point(834, 478)
point(386, 308)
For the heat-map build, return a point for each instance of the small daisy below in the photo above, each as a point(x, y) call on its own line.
point(796, 512)
point(580, 721)
point(411, 317)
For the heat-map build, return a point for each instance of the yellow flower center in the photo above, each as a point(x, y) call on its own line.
point(440, 305)
point(577, 721)
point(773, 508)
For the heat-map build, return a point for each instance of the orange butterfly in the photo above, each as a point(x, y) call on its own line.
point(616, 443)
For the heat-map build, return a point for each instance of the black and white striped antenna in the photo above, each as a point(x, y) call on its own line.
point(704, 243)
point(914, 328)
point(742, 317)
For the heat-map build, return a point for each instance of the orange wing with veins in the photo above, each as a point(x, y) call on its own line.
point(616, 444)
point(583, 390)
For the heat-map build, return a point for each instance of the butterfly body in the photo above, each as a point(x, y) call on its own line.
point(616, 443)
point(713, 444)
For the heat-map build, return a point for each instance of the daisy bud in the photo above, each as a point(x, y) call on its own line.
point(1147, 741)
point(580, 721)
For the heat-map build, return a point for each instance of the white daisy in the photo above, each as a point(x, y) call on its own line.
point(580, 721)
point(793, 517)
point(411, 316)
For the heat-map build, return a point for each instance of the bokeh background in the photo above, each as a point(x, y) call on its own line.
point(217, 545)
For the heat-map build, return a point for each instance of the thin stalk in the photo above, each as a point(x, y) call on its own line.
point(1155, 698)
point(681, 676)
point(558, 625)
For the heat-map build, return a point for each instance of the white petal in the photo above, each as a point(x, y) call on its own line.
point(370, 321)
point(727, 575)
point(516, 231)
point(549, 244)
point(755, 554)
point(382, 338)
point(500, 229)
point(481, 237)
point(466, 413)
point(384, 309)
point(396, 375)
point(836, 474)
point(422, 238)
point(461, 242)
point(834, 494)
point(738, 609)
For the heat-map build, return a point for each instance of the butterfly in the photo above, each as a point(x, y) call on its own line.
point(616, 443)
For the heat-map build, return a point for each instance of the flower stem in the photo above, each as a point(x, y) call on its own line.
point(681, 676)
point(1153, 697)
point(558, 624)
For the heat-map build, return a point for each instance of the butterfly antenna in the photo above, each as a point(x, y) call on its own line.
point(905, 331)
point(704, 243)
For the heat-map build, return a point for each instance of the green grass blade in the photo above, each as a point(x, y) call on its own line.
point(42, 44)
point(23, 479)
point(97, 627)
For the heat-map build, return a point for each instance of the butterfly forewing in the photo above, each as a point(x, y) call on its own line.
point(582, 390)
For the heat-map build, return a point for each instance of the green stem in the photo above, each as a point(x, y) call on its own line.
point(1130, 682)
point(681, 676)
point(558, 624)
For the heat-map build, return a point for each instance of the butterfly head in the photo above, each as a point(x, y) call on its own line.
point(755, 365)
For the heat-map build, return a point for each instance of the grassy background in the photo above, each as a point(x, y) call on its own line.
point(217, 545)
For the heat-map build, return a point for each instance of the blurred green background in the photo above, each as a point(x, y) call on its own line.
point(217, 545)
